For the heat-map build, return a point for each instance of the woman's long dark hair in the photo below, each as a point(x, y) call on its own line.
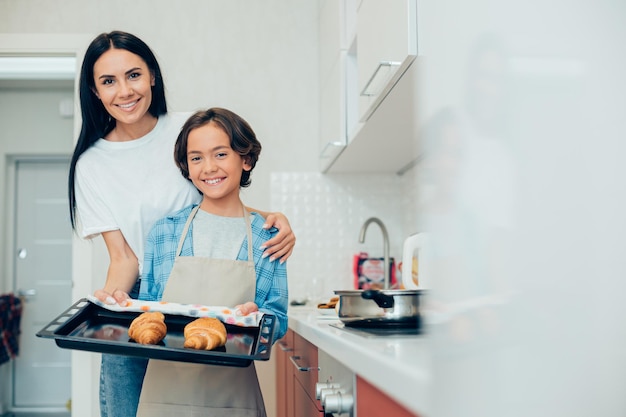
point(96, 121)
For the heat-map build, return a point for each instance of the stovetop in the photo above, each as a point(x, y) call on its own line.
point(395, 331)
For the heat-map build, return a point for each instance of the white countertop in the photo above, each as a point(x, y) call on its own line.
point(398, 366)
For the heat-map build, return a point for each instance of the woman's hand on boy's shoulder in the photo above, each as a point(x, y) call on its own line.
point(280, 246)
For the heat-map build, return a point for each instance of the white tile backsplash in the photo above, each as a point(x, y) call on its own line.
point(326, 212)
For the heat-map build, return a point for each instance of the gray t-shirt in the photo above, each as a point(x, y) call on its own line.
point(216, 236)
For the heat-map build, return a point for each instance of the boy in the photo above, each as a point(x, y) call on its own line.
point(202, 254)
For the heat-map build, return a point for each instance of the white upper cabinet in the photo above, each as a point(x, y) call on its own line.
point(388, 142)
point(332, 113)
point(337, 25)
point(386, 44)
point(366, 46)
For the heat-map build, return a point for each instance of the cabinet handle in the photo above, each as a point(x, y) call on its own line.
point(293, 360)
point(333, 145)
point(388, 64)
point(283, 346)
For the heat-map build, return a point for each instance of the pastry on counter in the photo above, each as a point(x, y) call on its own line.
point(148, 328)
point(331, 304)
point(205, 333)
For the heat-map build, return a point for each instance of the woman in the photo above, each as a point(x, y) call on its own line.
point(123, 178)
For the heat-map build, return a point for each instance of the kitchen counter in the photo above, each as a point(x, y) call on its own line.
point(398, 366)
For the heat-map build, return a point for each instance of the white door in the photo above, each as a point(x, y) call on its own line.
point(43, 248)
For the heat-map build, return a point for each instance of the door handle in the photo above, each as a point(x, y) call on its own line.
point(22, 253)
point(300, 368)
point(284, 347)
point(26, 293)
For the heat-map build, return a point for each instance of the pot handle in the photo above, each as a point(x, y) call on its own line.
point(383, 300)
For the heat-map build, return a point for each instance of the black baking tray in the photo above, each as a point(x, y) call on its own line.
point(87, 326)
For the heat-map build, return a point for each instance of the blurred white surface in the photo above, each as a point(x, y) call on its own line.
point(522, 189)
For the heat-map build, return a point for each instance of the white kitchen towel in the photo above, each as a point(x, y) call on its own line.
point(225, 314)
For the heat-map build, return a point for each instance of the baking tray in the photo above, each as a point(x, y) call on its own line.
point(87, 326)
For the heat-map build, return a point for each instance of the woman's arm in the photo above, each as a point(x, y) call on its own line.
point(281, 245)
point(123, 269)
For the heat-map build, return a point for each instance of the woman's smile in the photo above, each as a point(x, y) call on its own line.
point(128, 106)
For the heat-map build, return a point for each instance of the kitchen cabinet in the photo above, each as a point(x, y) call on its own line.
point(333, 113)
point(297, 374)
point(284, 376)
point(386, 45)
point(306, 373)
point(337, 23)
point(389, 142)
point(371, 402)
point(386, 40)
point(366, 50)
point(304, 406)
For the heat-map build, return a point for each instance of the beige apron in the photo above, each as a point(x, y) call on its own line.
point(173, 389)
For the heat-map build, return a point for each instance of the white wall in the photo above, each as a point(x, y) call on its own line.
point(328, 210)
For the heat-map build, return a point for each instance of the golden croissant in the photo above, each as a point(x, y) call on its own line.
point(205, 333)
point(148, 328)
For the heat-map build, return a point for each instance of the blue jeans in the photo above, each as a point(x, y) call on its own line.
point(121, 378)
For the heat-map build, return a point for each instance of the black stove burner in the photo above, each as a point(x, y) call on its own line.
point(400, 323)
point(380, 331)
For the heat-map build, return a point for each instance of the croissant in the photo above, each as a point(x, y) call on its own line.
point(205, 333)
point(148, 328)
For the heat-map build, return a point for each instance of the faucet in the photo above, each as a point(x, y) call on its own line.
point(385, 244)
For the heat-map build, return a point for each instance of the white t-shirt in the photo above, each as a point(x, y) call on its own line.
point(128, 186)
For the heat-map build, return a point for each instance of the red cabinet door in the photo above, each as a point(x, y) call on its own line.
point(370, 402)
point(303, 404)
point(305, 365)
point(296, 376)
point(284, 376)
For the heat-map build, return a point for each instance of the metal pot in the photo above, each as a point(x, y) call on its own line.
point(379, 308)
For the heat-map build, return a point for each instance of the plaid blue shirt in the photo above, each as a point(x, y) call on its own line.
point(160, 253)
